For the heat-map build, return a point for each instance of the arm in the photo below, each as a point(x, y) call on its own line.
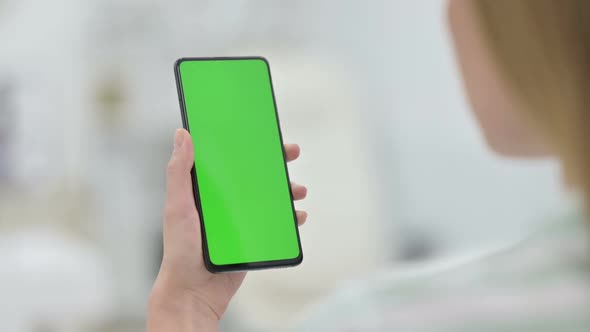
point(168, 311)
point(186, 297)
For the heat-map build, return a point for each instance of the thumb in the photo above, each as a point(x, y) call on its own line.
point(179, 191)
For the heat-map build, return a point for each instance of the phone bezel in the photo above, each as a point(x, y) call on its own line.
point(247, 266)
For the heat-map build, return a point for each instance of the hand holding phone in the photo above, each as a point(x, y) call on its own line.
point(235, 140)
point(240, 179)
point(185, 292)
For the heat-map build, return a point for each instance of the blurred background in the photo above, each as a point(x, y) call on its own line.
point(397, 170)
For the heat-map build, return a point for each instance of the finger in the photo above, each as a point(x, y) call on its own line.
point(299, 192)
point(301, 217)
point(179, 192)
point(292, 151)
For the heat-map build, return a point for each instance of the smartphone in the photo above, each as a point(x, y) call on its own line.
point(240, 178)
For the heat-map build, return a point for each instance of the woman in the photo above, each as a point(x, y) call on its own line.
point(526, 65)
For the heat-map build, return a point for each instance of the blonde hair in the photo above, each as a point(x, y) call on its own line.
point(543, 49)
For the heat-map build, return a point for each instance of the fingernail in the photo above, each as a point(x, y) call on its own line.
point(178, 140)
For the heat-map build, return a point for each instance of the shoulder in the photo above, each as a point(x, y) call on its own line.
point(510, 286)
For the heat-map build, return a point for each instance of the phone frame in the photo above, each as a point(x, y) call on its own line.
point(248, 266)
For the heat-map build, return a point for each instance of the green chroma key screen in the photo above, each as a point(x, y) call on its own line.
point(241, 175)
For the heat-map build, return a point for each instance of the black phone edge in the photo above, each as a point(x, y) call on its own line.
point(211, 267)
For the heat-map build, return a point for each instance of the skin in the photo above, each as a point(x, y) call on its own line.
point(186, 297)
point(493, 103)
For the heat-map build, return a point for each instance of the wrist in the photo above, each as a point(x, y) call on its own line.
point(169, 307)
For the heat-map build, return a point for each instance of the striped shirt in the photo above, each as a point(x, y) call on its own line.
point(541, 284)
